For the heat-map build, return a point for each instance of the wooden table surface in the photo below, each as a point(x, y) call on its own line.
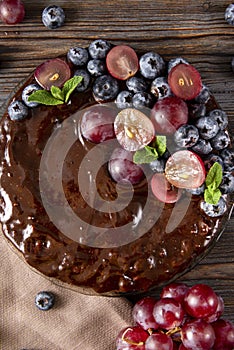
point(194, 29)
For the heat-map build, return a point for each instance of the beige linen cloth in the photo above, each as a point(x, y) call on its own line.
point(76, 322)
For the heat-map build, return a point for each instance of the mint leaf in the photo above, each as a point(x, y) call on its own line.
point(161, 144)
point(44, 97)
point(57, 93)
point(70, 86)
point(212, 196)
point(214, 176)
point(145, 155)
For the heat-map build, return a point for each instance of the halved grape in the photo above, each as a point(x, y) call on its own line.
point(185, 169)
point(163, 190)
point(131, 338)
point(12, 11)
point(133, 129)
point(122, 62)
point(52, 72)
point(168, 114)
point(97, 123)
point(143, 313)
point(185, 81)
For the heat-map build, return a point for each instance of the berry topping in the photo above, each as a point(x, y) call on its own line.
point(186, 136)
point(136, 84)
point(78, 56)
point(185, 169)
point(124, 99)
point(152, 65)
point(96, 67)
point(168, 114)
point(160, 88)
point(85, 79)
point(99, 48)
point(163, 190)
point(229, 14)
point(208, 127)
point(97, 123)
point(214, 210)
point(122, 62)
point(53, 17)
point(220, 117)
point(227, 156)
point(12, 11)
point(27, 91)
point(105, 88)
point(44, 301)
point(54, 72)
point(142, 99)
point(220, 141)
point(133, 129)
point(185, 81)
point(17, 110)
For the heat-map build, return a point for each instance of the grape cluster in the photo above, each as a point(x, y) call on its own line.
point(184, 318)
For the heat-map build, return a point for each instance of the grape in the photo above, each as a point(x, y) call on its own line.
point(185, 169)
point(197, 335)
point(185, 81)
point(122, 168)
point(200, 301)
point(97, 123)
point(163, 190)
point(133, 129)
point(176, 291)
point(224, 335)
point(52, 72)
point(168, 313)
point(168, 114)
point(143, 313)
point(122, 62)
point(131, 338)
point(12, 11)
point(218, 312)
point(159, 341)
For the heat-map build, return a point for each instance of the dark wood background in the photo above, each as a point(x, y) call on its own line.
point(194, 29)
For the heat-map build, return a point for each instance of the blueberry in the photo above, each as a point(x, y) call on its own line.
point(27, 91)
point(220, 117)
point(214, 210)
point(105, 88)
point(211, 159)
point(202, 147)
point(227, 156)
point(44, 300)
point(207, 127)
point(157, 165)
point(196, 110)
point(85, 81)
point(175, 61)
point(197, 191)
point(142, 99)
point(229, 14)
point(160, 87)
point(186, 136)
point(124, 99)
point(78, 56)
point(17, 110)
point(99, 48)
point(227, 185)
point(136, 84)
point(203, 96)
point(53, 17)
point(152, 65)
point(220, 141)
point(96, 67)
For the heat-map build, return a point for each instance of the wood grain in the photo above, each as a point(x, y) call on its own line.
point(194, 29)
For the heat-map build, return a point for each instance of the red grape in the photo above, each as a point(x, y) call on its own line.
point(163, 190)
point(12, 11)
point(159, 341)
point(168, 114)
point(122, 62)
point(200, 301)
point(185, 169)
point(52, 72)
point(168, 313)
point(175, 290)
point(224, 335)
point(131, 338)
point(97, 123)
point(197, 335)
point(218, 312)
point(133, 129)
point(185, 81)
point(143, 313)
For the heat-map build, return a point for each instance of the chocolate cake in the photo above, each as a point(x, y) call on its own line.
point(62, 221)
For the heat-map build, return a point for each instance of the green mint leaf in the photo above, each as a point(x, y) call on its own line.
point(44, 97)
point(70, 86)
point(57, 93)
point(161, 144)
point(214, 176)
point(145, 155)
point(212, 196)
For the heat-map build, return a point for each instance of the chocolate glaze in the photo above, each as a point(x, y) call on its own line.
point(149, 261)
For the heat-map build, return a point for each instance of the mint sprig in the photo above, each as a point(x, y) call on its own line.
point(213, 180)
point(150, 153)
point(56, 96)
